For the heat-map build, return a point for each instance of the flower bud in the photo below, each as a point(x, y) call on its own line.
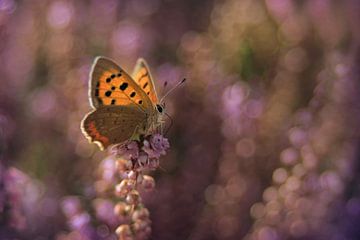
point(143, 159)
point(124, 232)
point(123, 165)
point(124, 187)
point(140, 178)
point(140, 225)
point(133, 197)
point(132, 175)
point(121, 191)
point(148, 183)
point(140, 214)
point(121, 209)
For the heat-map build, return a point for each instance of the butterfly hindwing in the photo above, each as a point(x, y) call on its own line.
point(113, 124)
point(142, 77)
point(110, 85)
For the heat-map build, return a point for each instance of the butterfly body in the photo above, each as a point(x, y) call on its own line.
point(124, 107)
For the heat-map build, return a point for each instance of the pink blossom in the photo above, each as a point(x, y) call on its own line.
point(129, 150)
point(143, 159)
point(148, 149)
point(143, 154)
point(156, 146)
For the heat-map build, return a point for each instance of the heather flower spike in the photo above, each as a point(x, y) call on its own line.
point(132, 159)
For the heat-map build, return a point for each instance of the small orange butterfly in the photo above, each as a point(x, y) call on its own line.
point(124, 107)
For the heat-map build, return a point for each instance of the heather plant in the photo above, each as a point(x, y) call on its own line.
point(132, 160)
point(118, 203)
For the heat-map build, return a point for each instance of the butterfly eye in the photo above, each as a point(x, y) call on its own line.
point(159, 108)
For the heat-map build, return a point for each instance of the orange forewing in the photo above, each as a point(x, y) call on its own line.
point(142, 77)
point(111, 85)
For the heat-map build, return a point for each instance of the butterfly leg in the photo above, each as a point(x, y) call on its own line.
point(138, 131)
point(159, 127)
point(136, 135)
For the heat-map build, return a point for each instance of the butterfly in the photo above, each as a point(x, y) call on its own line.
point(124, 106)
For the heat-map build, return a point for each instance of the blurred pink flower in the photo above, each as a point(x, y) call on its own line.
point(71, 206)
point(80, 221)
point(104, 210)
point(12, 211)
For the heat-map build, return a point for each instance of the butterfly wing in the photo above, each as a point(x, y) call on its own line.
point(109, 84)
point(142, 77)
point(113, 124)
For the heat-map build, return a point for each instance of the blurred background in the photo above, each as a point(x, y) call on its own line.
point(265, 140)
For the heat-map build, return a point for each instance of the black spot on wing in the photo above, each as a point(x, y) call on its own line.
point(132, 94)
point(108, 93)
point(123, 86)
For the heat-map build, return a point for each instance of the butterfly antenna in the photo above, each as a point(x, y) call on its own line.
point(171, 123)
point(164, 87)
point(172, 89)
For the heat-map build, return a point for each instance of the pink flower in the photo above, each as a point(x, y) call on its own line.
point(143, 154)
point(143, 159)
point(156, 146)
point(149, 151)
point(129, 150)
